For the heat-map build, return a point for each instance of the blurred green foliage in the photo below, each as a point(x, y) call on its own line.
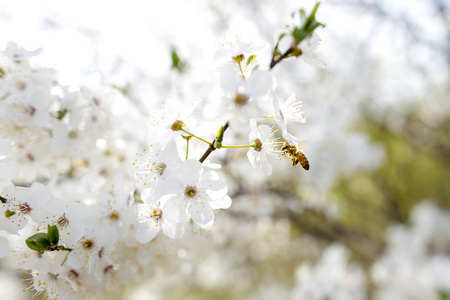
point(416, 167)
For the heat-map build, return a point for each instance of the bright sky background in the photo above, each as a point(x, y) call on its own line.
point(81, 36)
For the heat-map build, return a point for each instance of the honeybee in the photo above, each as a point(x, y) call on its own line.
point(297, 156)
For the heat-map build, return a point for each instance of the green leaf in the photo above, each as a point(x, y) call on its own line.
point(2, 73)
point(53, 235)
point(307, 24)
point(38, 242)
point(250, 59)
point(9, 213)
point(444, 295)
point(3, 199)
point(300, 34)
point(177, 63)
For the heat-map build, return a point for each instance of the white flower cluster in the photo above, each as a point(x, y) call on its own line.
point(333, 277)
point(416, 263)
point(73, 216)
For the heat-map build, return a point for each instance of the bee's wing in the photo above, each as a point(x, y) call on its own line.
point(302, 144)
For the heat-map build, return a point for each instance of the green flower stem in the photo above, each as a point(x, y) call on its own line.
point(242, 72)
point(187, 148)
point(274, 62)
point(65, 258)
point(196, 137)
point(243, 146)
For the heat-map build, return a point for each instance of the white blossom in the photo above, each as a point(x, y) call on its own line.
point(264, 143)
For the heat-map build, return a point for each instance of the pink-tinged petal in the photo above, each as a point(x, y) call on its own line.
point(146, 231)
point(259, 84)
point(174, 210)
point(222, 203)
point(200, 211)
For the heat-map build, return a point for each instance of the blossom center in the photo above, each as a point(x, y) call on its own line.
point(241, 99)
point(156, 213)
point(190, 191)
point(88, 244)
point(257, 145)
point(114, 216)
point(24, 208)
point(178, 125)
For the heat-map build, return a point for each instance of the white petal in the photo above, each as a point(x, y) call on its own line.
point(290, 138)
point(170, 153)
point(8, 168)
point(72, 233)
point(4, 247)
point(192, 169)
point(312, 60)
point(5, 146)
point(252, 156)
point(174, 210)
point(222, 203)
point(259, 84)
point(266, 132)
point(201, 212)
point(213, 185)
point(146, 231)
point(266, 167)
point(230, 80)
point(107, 236)
point(76, 259)
point(210, 175)
point(174, 231)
